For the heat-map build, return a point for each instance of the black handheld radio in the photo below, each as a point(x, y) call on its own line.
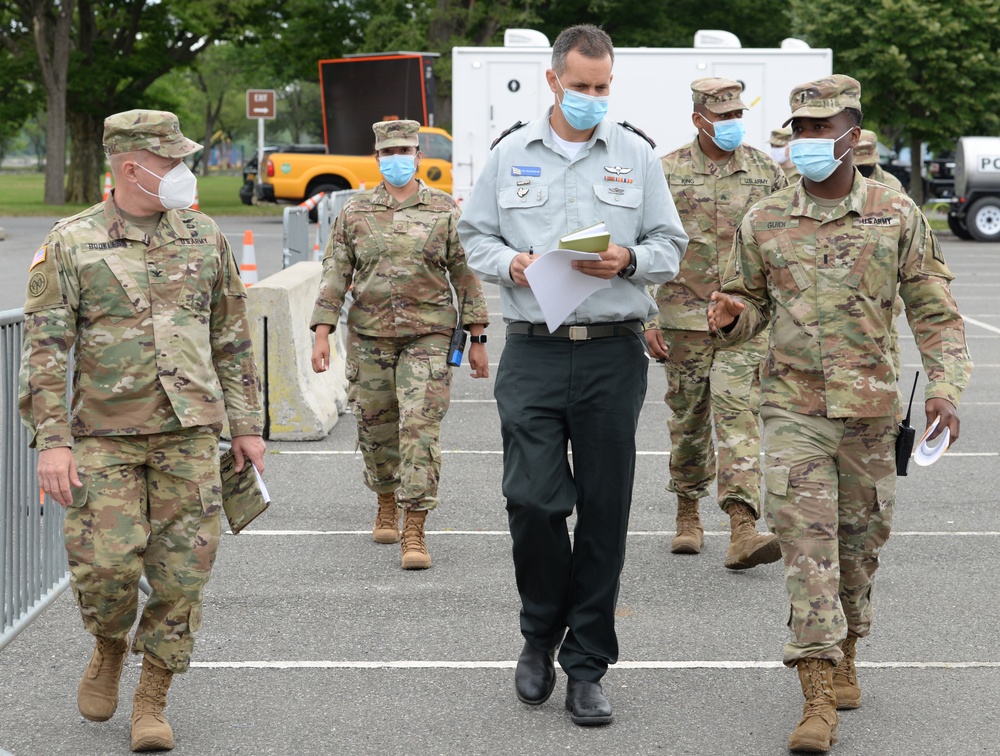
point(457, 346)
point(904, 441)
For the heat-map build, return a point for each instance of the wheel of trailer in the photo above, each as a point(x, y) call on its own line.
point(983, 219)
point(328, 188)
point(958, 228)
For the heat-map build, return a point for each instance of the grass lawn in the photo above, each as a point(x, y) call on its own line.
point(22, 193)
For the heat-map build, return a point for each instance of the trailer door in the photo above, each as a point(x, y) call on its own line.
point(515, 93)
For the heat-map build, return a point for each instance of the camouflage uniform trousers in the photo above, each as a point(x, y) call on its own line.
point(399, 390)
point(706, 383)
point(148, 504)
point(830, 489)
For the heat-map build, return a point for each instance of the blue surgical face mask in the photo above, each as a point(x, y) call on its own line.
point(583, 112)
point(728, 134)
point(814, 157)
point(398, 169)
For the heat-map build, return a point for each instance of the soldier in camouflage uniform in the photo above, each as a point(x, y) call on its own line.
point(866, 159)
point(822, 263)
point(399, 245)
point(149, 295)
point(779, 153)
point(713, 181)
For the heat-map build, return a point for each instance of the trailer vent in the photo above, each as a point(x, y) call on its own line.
point(716, 38)
point(524, 38)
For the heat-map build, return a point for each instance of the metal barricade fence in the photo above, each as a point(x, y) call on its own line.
point(327, 211)
point(33, 563)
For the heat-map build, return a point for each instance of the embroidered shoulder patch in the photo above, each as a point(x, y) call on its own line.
point(38, 258)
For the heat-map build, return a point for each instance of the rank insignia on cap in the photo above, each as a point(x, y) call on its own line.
point(38, 258)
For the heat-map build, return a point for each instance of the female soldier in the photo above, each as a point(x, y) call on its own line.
point(399, 245)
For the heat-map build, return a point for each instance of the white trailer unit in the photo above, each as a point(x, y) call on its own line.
point(493, 87)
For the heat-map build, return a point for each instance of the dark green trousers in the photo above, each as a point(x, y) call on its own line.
point(550, 393)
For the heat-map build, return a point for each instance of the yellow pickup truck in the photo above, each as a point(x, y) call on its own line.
point(295, 177)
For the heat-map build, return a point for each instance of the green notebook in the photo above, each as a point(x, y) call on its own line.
point(593, 238)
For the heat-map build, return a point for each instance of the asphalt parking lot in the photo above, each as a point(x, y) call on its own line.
point(315, 642)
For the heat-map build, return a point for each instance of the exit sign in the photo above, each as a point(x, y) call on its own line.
point(260, 103)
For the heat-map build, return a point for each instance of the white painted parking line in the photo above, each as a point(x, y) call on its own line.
point(511, 664)
point(981, 324)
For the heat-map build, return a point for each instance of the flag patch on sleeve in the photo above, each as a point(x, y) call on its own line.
point(38, 258)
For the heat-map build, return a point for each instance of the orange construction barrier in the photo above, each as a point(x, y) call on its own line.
point(107, 187)
point(248, 267)
point(194, 205)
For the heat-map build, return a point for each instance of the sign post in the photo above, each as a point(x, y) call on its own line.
point(260, 106)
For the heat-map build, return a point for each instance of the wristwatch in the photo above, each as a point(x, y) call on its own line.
point(629, 270)
point(477, 339)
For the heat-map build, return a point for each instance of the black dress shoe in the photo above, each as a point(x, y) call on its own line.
point(535, 676)
point(586, 703)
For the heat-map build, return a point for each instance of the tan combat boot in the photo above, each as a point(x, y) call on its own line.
point(747, 547)
point(386, 528)
point(690, 534)
point(98, 693)
point(150, 730)
point(817, 730)
point(415, 554)
point(845, 676)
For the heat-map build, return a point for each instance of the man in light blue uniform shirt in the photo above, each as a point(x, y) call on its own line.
point(585, 383)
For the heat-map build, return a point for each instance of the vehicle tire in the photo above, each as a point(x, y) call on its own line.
point(326, 187)
point(958, 228)
point(983, 219)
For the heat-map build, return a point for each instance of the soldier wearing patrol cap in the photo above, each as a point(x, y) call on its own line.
point(866, 159)
point(148, 293)
point(713, 181)
point(779, 140)
point(398, 244)
point(822, 263)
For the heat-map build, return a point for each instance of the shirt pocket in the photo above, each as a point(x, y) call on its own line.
point(786, 276)
point(620, 206)
point(198, 270)
point(871, 271)
point(115, 289)
point(525, 216)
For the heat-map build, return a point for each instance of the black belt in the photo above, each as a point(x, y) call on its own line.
point(577, 332)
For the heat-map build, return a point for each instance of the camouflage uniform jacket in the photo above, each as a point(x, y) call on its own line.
point(400, 257)
point(826, 279)
point(711, 202)
point(159, 325)
point(884, 177)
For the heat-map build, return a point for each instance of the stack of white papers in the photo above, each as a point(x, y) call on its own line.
point(559, 287)
point(927, 455)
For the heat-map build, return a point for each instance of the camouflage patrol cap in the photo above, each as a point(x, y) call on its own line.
point(395, 134)
point(866, 151)
point(824, 97)
point(155, 131)
point(780, 137)
point(717, 95)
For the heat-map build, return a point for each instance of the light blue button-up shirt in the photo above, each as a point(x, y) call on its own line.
point(530, 194)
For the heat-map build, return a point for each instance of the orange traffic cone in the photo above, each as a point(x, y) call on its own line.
point(107, 187)
point(194, 205)
point(361, 186)
point(311, 203)
point(248, 267)
point(317, 253)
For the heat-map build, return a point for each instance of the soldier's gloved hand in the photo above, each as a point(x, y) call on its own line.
point(944, 409)
point(657, 345)
point(723, 310)
point(57, 472)
point(251, 448)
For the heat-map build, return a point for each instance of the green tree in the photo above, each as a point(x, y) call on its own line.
point(928, 69)
point(669, 23)
point(47, 23)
